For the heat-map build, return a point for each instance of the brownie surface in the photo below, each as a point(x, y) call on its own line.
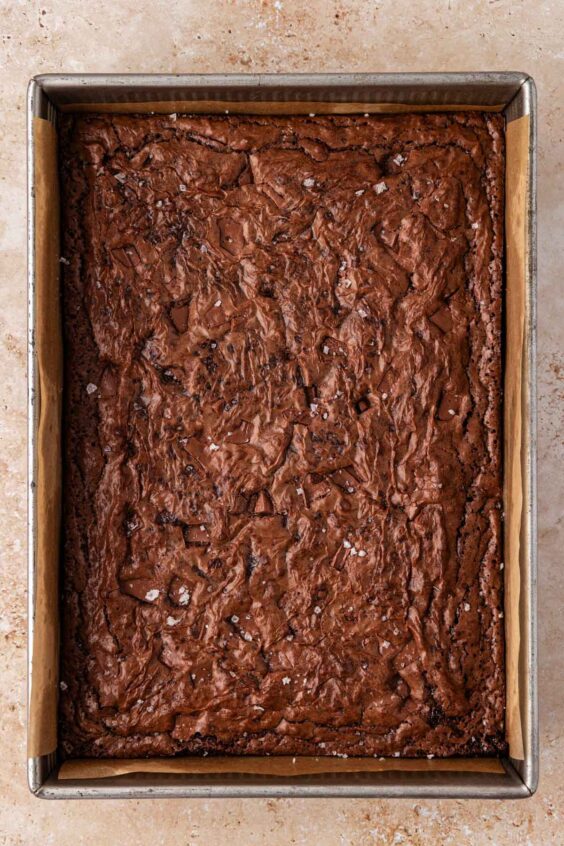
point(282, 527)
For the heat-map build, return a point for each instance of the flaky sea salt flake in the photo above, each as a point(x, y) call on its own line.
point(91, 388)
point(183, 596)
point(380, 187)
point(152, 594)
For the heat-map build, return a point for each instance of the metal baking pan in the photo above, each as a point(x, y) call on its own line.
point(513, 94)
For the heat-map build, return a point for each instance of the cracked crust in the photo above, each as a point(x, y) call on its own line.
point(282, 511)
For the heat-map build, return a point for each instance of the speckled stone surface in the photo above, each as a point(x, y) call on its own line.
point(252, 36)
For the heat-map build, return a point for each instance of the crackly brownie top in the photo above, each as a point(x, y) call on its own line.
point(282, 525)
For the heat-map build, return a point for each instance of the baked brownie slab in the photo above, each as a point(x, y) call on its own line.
point(282, 499)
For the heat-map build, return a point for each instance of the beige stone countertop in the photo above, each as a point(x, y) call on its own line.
point(276, 36)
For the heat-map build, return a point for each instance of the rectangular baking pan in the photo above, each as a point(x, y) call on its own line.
point(513, 94)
